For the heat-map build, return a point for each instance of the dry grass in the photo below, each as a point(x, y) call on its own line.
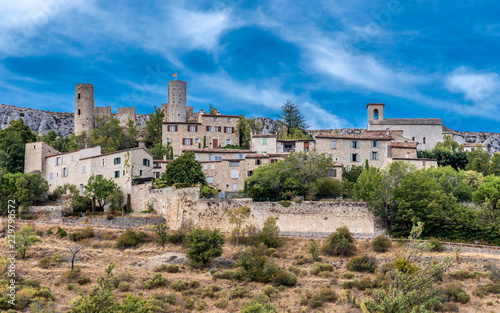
point(100, 252)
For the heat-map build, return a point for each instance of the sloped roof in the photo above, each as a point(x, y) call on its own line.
point(407, 121)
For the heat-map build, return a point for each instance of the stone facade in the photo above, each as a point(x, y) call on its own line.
point(84, 109)
point(180, 206)
point(123, 115)
point(76, 167)
point(100, 112)
point(264, 143)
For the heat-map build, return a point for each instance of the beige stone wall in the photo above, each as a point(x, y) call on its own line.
point(403, 152)
point(100, 112)
point(432, 133)
point(183, 205)
point(342, 153)
point(418, 163)
point(295, 145)
point(176, 137)
point(204, 155)
point(124, 115)
point(264, 144)
point(35, 153)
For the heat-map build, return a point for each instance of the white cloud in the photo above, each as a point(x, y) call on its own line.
point(474, 86)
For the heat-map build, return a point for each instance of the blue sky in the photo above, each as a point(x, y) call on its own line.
point(421, 58)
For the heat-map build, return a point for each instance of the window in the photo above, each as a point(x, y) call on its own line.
point(196, 157)
point(273, 161)
point(140, 172)
point(412, 138)
point(157, 175)
point(354, 144)
point(228, 130)
point(34, 147)
point(212, 167)
point(117, 161)
point(197, 140)
point(215, 119)
point(65, 172)
point(210, 180)
point(145, 162)
point(250, 173)
point(78, 111)
point(354, 157)
point(103, 162)
point(423, 141)
point(233, 164)
point(334, 144)
point(73, 157)
point(215, 158)
point(209, 128)
point(228, 142)
point(229, 119)
point(81, 189)
point(123, 172)
point(58, 161)
point(84, 169)
point(264, 141)
point(257, 162)
point(375, 114)
point(117, 174)
point(187, 141)
point(375, 144)
point(205, 167)
point(374, 155)
point(51, 175)
point(78, 98)
point(192, 128)
point(172, 128)
point(331, 173)
point(235, 186)
point(234, 174)
point(169, 140)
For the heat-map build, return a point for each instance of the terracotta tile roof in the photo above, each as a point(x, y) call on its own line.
point(414, 159)
point(257, 156)
point(408, 121)
point(368, 135)
point(181, 123)
point(474, 144)
point(120, 151)
point(220, 115)
point(264, 135)
point(409, 144)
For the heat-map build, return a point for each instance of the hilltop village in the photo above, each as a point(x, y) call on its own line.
point(206, 135)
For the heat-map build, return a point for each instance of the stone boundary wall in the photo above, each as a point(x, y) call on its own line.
point(53, 212)
point(180, 206)
point(115, 222)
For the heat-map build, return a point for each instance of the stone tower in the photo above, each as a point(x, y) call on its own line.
point(84, 109)
point(176, 106)
point(375, 112)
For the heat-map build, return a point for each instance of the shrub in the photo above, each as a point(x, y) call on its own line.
point(124, 286)
point(210, 290)
point(494, 273)
point(180, 285)
point(326, 294)
point(171, 298)
point(362, 264)
point(74, 274)
point(435, 245)
point(201, 305)
point(403, 265)
point(44, 263)
point(270, 291)
point(130, 238)
point(461, 275)
point(450, 307)
point(83, 280)
point(494, 289)
point(381, 243)
point(203, 245)
point(269, 235)
point(189, 304)
point(348, 284)
point(321, 267)
point(80, 235)
point(240, 292)
point(314, 250)
point(285, 278)
point(157, 281)
point(340, 243)
point(221, 303)
point(285, 203)
point(49, 232)
point(206, 191)
point(455, 293)
point(348, 275)
point(172, 268)
point(255, 307)
point(61, 232)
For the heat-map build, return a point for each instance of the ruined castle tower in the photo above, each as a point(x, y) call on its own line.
point(84, 109)
point(176, 106)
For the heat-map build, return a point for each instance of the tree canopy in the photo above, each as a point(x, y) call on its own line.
point(185, 170)
point(154, 127)
point(13, 140)
point(292, 122)
point(100, 189)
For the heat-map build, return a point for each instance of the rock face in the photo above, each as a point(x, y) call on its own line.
point(63, 123)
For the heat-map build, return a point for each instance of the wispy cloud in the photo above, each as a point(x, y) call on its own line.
point(473, 85)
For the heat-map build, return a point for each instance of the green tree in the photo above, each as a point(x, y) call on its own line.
point(108, 134)
point(30, 189)
point(158, 150)
point(161, 231)
point(115, 199)
point(243, 131)
point(99, 189)
point(489, 193)
point(479, 161)
point(62, 144)
point(154, 127)
point(368, 185)
point(453, 182)
point(349, 177)
point(13, 140)
point(129, 136)
point(255, 125)
point(340, 243)
point(100, 299)
point(237, 216)
point(292, 121)
point(184, 169)
point(25, 238)
point(203, 245)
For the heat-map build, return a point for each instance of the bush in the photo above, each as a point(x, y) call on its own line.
point(461, 275)
point(321, 267)
point(403, 265)
point(124, 286)
point(221, 303)
point(49, 232)
point(494, 273)
point(455, 293)
point(169, 268)
point(204, 245)
point(74, 274)
point(157, 281)
point(270, 291)
point(381, 243)
point(255, 307)
point(348, 275)
point(285, 278)
point(329, 187)
point(171, 298)
point(210, 290)
point(269, 235)
point(83, 280)
point(180, 285)
point(340, 243)
point(240, 292)
point(44, 263)
point(206, 191)
point(362, 264)
point(285, 203)
point(435, 245)
point(61, 232)
point(130, 238)
point(84, 234)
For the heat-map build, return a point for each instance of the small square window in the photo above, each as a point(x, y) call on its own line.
point(117, 161)
point(117, 174)
point(205, 167)
point(235, 186)
point(212, 166)
point(215, 119)
point(264, 141)
point(140, 172)
point(229, 119)
point(228, 142)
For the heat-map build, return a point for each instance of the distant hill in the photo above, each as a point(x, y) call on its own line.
point(43, 121)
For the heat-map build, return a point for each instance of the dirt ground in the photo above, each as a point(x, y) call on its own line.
point(99, 252)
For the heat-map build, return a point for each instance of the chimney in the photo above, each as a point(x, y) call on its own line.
point(164, 157)
point(406, 143)
point(201, 110)
point(387, 131)
point(142, 144)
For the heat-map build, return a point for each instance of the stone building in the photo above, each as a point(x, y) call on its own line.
point(427, 132)
point(76, 167)
point(184, 130)
point(264, 143)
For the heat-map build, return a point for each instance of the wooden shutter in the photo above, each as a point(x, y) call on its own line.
point(196, 128)
point(188, 128)
point(191, 141)
point(175, 127)
point(219, 128)
point(208, 128)
point(232, 130)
